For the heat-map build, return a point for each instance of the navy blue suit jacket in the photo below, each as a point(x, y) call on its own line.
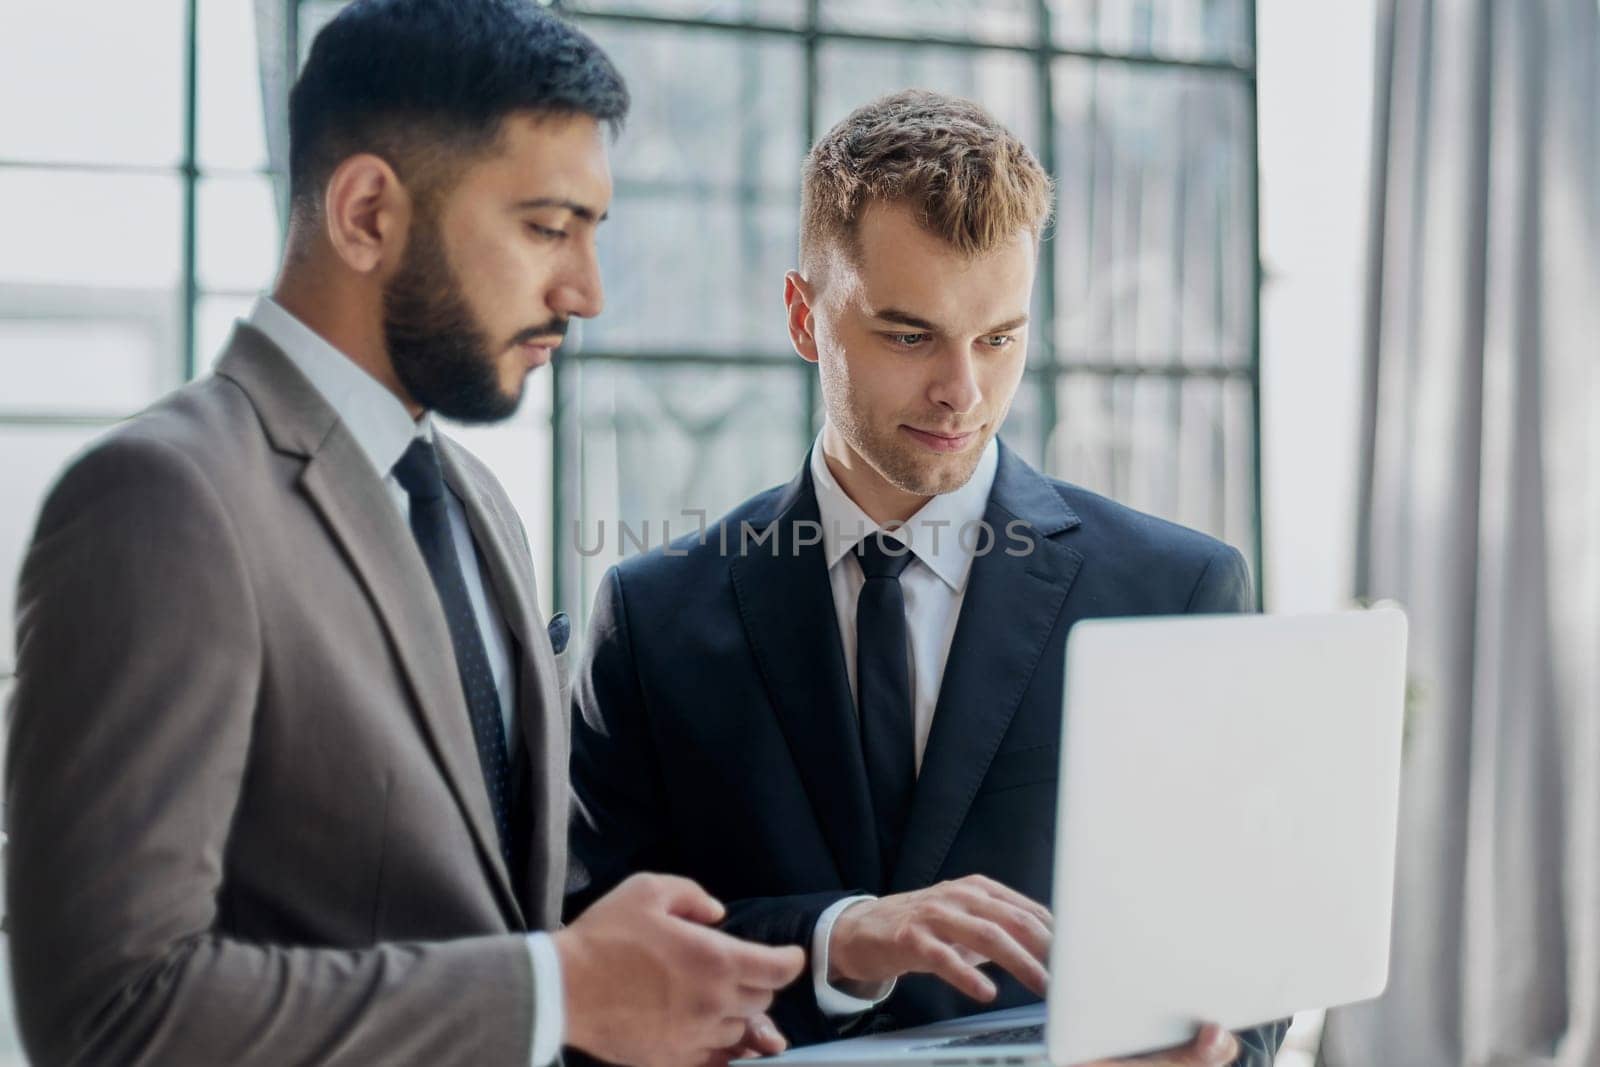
point(717, 736)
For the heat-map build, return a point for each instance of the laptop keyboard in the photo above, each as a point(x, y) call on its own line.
point(1021, 1035)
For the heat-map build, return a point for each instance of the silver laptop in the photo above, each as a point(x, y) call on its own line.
point(1225, 841)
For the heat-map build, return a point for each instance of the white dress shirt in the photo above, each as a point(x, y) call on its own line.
point(943, 538)
point(384, 429)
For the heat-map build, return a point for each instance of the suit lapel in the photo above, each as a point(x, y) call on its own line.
point(786, 603)
point(339, 481)
point(1013, 599)
point(545, 724)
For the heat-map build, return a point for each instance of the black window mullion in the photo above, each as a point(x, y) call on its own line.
point(1253, 221)
point(1044, 333)
point(811, 133)
point(191, 180)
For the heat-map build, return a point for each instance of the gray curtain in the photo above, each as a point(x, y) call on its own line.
point(1480, 511)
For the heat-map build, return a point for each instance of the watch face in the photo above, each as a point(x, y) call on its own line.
point(560, 630)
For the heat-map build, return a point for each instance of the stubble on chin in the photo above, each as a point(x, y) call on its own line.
point(919, 473)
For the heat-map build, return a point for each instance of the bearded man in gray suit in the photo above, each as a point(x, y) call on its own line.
point(287, 777)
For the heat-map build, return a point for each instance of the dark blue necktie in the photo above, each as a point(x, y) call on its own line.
point(883, 691)
point(419, 473)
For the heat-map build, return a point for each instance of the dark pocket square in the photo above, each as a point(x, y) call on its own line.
point(560, 630)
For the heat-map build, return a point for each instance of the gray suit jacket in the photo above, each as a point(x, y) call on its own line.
point(247, 818)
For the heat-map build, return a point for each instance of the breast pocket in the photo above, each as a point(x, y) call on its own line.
point(1020, 767)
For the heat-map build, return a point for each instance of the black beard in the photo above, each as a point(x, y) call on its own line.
point(440, 353)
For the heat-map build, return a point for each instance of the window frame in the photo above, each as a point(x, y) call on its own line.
point(1047, 367)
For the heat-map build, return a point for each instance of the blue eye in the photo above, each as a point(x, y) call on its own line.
point(907, 340)
point(999, 340)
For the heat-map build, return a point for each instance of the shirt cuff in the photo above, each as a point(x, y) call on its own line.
point(847, 998)
point(549, 1006)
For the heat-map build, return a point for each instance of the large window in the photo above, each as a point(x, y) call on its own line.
point(136, 220)
point(140, 211)
point(1143, 379)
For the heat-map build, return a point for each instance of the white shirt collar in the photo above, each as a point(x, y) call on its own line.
point(934, 533)
point(373, 415)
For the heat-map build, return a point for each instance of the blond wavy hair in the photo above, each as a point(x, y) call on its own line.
point(967, 179)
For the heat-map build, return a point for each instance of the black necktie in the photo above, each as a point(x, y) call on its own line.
point(883, 690)
point(418, 472)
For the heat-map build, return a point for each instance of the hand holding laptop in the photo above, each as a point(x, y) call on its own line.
point(1211, 1047)
point(946, 930)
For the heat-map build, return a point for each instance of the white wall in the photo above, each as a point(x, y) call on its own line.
point(1315, 109)
point(1315, 119)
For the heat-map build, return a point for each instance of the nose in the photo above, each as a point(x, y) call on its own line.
point(578, 292)
point(955, 385)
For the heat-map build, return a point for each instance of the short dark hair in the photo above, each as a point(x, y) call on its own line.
point(426, 85)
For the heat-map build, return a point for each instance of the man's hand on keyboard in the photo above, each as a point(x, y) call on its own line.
point(947, 930)
point(1211, 1047)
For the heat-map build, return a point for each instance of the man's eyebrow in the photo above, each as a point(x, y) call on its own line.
point(583, 211)
point(905, 318)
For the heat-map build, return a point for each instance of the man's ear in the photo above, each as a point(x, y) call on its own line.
point(797, 297)
point(365, 212)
